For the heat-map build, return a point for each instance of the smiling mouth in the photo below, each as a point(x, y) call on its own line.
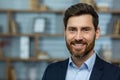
point(78, 46)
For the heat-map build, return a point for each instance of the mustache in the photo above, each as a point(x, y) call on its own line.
point(78, 42)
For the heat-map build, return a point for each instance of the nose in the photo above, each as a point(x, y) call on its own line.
point(79, 36)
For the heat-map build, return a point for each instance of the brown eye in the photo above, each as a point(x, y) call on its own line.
point(71, 29)
point(86, 29)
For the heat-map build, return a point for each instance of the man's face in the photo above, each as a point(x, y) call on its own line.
point(80, 35)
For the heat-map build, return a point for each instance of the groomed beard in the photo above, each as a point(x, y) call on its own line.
point(86, 52)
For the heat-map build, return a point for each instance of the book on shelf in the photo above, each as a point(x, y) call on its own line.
point(91, 2)
point(11, 73)
point(39, 25)
point(107, 54)
point(33, 4)
point(1, 53)
point(1, 29)
point(42, 55)
point(13, 27)
point(2, 44)
point(116, 29)
point(32, 75)
point(24, 47)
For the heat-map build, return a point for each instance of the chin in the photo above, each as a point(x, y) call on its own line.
point(79, 54)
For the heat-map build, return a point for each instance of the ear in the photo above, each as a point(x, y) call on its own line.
point(98, 33)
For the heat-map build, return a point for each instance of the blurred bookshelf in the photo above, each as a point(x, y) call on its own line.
point(17, 28)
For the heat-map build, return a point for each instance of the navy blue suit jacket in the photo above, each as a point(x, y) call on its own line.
point(101, 71)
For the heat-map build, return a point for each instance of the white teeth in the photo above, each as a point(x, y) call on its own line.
point(78, 44)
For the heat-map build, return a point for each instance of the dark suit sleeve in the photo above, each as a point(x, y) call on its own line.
point(43, 78)
point(112, 72)
point(56, 71)
point(44, 75)
point(119, 75)
point(50, 72)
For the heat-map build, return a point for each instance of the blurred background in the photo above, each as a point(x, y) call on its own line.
point(32, 35)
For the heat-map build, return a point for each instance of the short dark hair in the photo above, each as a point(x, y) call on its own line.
point(80, 9)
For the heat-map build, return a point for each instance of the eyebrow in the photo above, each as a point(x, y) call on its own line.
point(81, 27)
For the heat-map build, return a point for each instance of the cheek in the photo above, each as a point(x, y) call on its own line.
point(69, 38)
point(89, 39)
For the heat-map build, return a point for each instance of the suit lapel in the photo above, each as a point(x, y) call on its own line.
point(97, 69)
point(62, 70)
point(95, 75)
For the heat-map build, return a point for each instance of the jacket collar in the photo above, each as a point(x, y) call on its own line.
point(96, 72)
point(63, 69)
point(97, 69)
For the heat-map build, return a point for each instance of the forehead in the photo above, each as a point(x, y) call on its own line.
point(82, 20)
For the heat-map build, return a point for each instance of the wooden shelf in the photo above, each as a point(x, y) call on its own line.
point(113, 11)
point(110, 11)
point(33, 11)
point(50, 35)
point(30, 60)
point(117, 61)
point(15, 35)
point(111, 36)
point(32, 35)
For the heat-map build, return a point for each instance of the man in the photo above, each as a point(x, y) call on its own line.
point(81, 31)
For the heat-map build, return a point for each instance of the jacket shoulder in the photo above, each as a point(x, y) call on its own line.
point(106, 70)
point(111, 67)
point(54, 70)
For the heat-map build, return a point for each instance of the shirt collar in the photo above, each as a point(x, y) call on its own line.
point(88, 64)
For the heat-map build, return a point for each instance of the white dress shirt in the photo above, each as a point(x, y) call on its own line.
point(80, 73)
